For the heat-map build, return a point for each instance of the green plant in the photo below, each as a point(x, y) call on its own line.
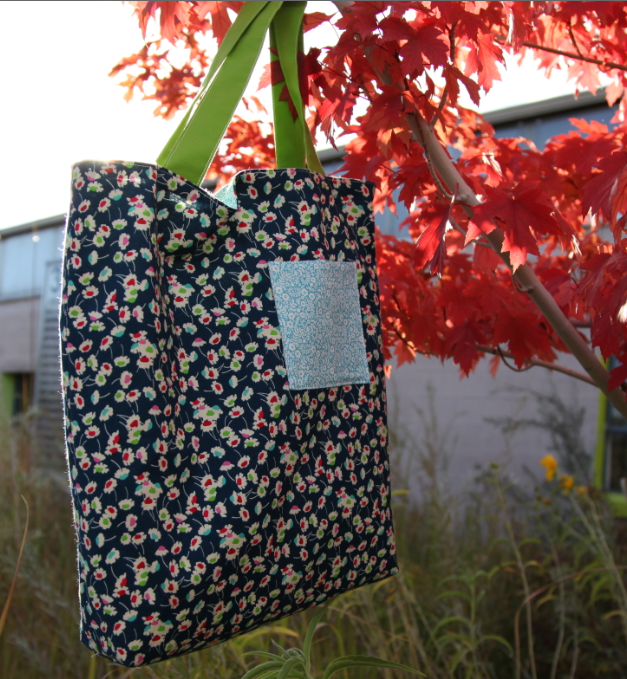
point(7, 603)
point(296, 663)
point(469, 592)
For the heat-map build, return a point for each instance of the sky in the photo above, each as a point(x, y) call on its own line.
point(61, 106)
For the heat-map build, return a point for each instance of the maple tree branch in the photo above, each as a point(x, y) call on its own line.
point(432, 169)
point(451, 177)
point(530, 363)
point(580, 324)
point(451, 39)
point(443, 101)
point(608, 65)
point(540, 364)
point(524, 274)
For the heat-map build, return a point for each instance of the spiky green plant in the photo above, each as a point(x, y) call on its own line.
point(295, 663)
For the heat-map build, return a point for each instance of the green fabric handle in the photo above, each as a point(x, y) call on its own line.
point(246, 16)
point(190, 150)
point(286, 128)
point(293, 141)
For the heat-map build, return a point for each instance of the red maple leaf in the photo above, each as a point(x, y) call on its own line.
point(314, 19)
point(272, 74)
point(485, 259)
point(604, 334)
point(522, 212)
point(462, 344)
point(364, 22)
point(173, 16)
point(523, 335)
point(452, 75)
point(619, 374)
point(403, 353)
point(220, 20)
point(337, 105)
point(395, 28)
point(582, 153)
point(606, 194)
point(308, 68)
point(483, 58)
point(430, 246)
point(428, 47)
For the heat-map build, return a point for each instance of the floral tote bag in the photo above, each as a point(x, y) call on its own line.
point(223, 379)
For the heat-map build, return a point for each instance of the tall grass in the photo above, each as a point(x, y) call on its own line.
point(508, 581)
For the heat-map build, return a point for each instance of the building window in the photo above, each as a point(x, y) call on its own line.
point(23, 260)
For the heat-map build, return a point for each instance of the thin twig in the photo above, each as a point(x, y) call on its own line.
point(543, 364)
point(560, 637)
point(531, 362)
point(609, 65)
point(457, 227)
point(573, 664)
point(572, 39)
point(499, 351)
point(523, 575)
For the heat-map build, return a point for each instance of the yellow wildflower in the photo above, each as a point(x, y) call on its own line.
point(550, 464)
point(566, 482)
point(581, 490)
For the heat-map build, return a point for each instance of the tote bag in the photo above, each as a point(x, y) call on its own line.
point(223, 379)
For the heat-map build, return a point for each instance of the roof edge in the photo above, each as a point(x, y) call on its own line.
point(536, 109)
point(37, 225)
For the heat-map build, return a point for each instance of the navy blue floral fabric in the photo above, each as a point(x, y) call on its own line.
point(209, 497)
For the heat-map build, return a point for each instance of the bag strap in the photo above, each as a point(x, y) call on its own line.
point(191, 149)
point(292, 138)
point(246, 16)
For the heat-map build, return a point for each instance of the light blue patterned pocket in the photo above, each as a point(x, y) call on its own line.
point(227, 195)
point(320, 321)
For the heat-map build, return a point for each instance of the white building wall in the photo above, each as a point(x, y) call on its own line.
point(19, 328)
point(461, 407)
